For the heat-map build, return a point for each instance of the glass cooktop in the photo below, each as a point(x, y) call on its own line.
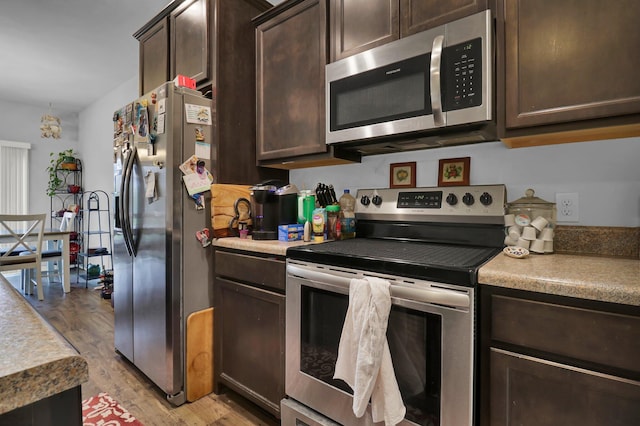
point(454, 264)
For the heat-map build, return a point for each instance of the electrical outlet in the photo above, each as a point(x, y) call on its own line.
point(568, 207)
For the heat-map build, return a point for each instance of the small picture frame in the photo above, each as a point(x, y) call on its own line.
point(402, 175)
point(454, 171)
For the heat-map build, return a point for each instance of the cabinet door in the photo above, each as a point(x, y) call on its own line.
point(249, 342)
point(420, 15)
point(531, 391)
point(190, 41)
point(359, 25)
point(290, 57)
point(568, 60)
point(154, 57)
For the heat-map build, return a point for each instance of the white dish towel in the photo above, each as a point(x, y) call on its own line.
point(364, 359)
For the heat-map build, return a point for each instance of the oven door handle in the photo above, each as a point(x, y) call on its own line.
point(440, 296)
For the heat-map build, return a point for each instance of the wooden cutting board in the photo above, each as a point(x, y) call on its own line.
point(199, 354)
point(223, 198)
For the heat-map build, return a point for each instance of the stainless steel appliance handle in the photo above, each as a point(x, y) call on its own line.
point(125, 197)
point(121, 189)
point(120, 201)
point(425, 295)
point(434, 74)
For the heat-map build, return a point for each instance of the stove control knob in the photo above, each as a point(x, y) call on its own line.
point(452, 199)
point(486, 199)
point(376, 200)
point(365, 201)
point(468, 199)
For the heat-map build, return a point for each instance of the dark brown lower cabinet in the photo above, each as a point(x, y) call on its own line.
point(64, 408)
point(534, 391)
point(249, 331)
point(552, 360)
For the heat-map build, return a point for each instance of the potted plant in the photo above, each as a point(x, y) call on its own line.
point(64, 160)
point(68, 160)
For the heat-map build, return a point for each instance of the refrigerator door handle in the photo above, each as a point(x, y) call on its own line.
point(125, 196)
point(119, 199)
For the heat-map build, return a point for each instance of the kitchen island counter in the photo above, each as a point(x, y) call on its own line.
point(275, 247)
point(604, 279)
point(36, 362)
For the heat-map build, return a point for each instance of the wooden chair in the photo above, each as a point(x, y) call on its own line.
point(53, 256)
point(23, 234)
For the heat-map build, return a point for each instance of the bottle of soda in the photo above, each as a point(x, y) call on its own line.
point(347, 216)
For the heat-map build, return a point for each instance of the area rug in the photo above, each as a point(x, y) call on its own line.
point(102, 410)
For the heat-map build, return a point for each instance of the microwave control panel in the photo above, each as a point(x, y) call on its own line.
point(462, 75)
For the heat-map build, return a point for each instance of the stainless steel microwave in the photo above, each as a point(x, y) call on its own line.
point(426, 83)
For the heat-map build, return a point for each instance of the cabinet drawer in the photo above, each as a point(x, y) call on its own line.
point(532, 391)
point(589, 335)
point(268, 272)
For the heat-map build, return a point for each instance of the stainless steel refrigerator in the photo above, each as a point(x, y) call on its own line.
point(162, 272)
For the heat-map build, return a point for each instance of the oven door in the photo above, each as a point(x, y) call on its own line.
point(430, 335)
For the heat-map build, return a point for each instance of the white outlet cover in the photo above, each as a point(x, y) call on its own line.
point(568, 207)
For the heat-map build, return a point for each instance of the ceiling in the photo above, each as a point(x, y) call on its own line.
point(68, 53)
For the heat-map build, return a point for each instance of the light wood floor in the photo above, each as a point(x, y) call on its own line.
point(86, 320)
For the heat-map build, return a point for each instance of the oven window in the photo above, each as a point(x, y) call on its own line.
point(414, 340)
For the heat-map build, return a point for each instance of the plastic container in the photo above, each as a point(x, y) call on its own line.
point(318, 225)
point(347, 216)
point(334, 227)
point(308, 205)
point(302, 217)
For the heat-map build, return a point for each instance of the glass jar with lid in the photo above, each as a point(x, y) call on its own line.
point(529, 208)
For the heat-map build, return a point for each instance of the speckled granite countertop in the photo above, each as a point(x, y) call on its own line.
point(605, 279)
point(35, 360)
point(597, 278)
point(261, 246)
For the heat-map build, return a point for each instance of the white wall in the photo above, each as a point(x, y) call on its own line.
point(90, 134)
point(21, 123)
point(96, 136)
point(605, 174)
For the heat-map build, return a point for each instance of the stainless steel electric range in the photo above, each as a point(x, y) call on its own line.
point(429, 244)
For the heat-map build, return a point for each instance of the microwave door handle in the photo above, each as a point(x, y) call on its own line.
point(434, 80)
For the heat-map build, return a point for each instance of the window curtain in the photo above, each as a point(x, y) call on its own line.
point(14, 177)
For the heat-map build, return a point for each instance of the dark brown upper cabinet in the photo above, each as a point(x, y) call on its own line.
point(291, 54)
point(569, 70)
point(190, 52)
point(176, 42)
point(213, 42)
point(359, 25)
point(154, 56)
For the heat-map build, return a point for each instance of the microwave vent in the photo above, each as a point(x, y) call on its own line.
point(463, 139)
